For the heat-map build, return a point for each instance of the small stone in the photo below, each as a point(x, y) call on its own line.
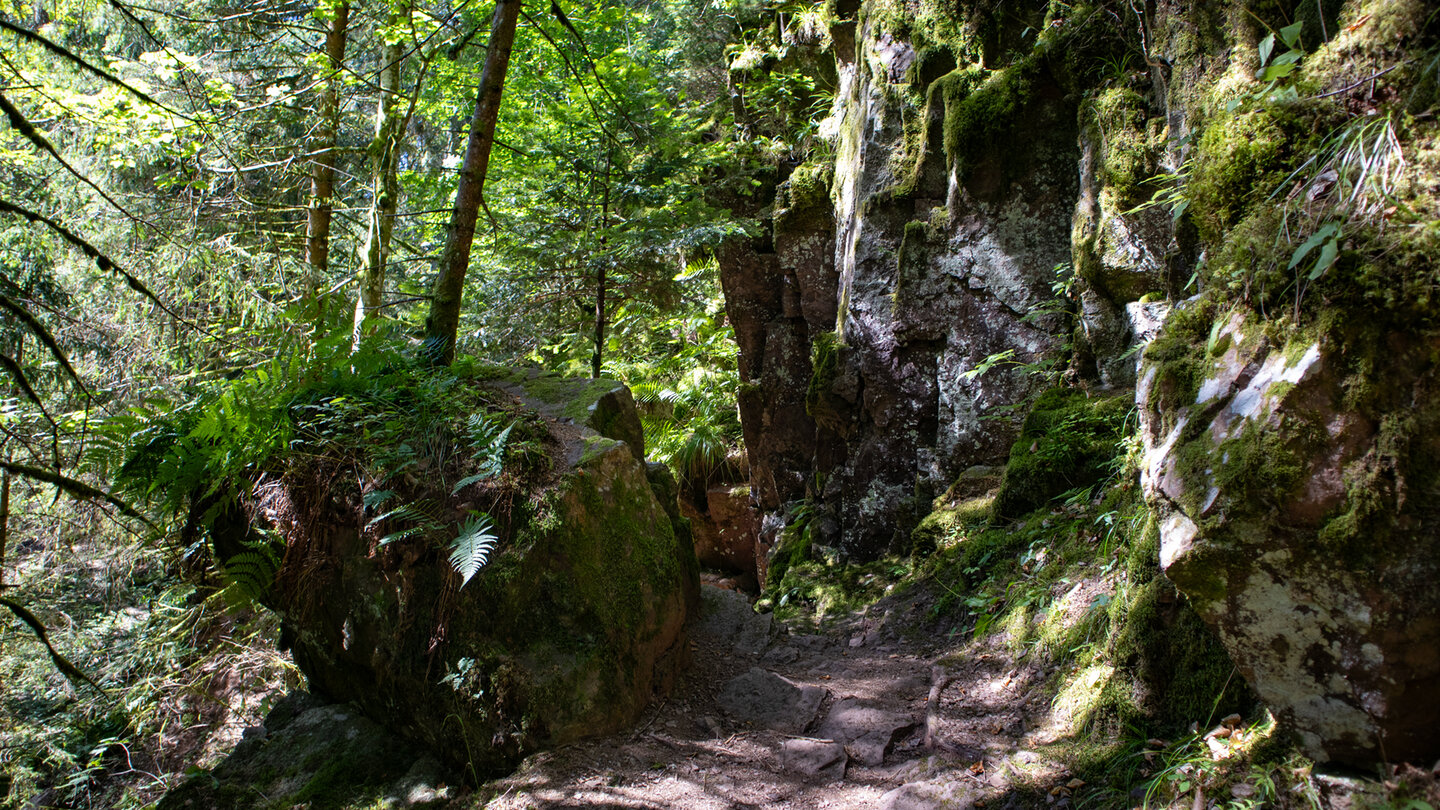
point(821, 760)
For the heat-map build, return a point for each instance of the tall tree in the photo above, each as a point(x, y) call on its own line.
point(322, 151)
point(444, 320)
point(385, 164)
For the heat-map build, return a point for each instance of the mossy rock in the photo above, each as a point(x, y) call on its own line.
point(310, 754)
point(1069, 441)
point(569, 629)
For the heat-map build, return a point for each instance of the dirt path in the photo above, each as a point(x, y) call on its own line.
point(851, 721)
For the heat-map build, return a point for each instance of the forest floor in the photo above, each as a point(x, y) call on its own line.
point(858, 717)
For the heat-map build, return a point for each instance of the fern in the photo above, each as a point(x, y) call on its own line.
point(249, 575)
point(421, 513)
point(488, 440)
point(471, 550)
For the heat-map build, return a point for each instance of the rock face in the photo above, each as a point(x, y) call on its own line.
point(921, 292)
point(310, 753)
point(1016, 197)
point(1297, 493)
point(569, 630)
point(726, 531)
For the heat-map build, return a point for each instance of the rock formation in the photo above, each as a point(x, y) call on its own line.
point(1014, 198)
point(575, 623)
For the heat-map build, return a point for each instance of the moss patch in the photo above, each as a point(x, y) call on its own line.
point(1069, 441)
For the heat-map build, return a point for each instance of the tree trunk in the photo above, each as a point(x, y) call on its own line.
point(385, 165)
point(595, 359)
point(322, 159)
point(5, 474)
point(443, 323)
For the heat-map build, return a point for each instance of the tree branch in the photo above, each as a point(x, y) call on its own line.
point(74, 488)
point(66, 53)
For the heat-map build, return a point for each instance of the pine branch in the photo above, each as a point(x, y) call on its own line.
point(101, 260)
point(17, 374)
point(39, 330)
point(24, 127)
point(66, 53)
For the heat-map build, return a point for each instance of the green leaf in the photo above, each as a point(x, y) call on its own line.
point(1276, 71)
point(1324, 232)
point(1328, 254)
point(1267, 46)
point(471, 550)
point(1291, 33)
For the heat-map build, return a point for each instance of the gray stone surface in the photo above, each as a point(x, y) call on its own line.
point(762, 698)
point(939, 794)
point(817, 760)
point(867, 732)
point(729, 616)
point(1301, 523)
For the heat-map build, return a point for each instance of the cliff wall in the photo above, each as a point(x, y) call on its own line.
point(1016, 196)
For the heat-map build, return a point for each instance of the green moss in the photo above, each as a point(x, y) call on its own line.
point(1175, 355)
point(792, 548)
point(803, 202)
point(1069, 441)
point(820, 589)
point(1118, 118)
point(1186, 673)
point(595, 447)
point(1254, 471)
point(947, 525)
point(981, 111)
point(1238, 162)
point(820, 400)
point(913, 263)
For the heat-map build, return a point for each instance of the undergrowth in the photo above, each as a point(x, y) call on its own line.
point(183, 673)
point(416, 437)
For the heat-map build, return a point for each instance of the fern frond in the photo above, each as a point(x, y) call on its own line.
point(468, 480)
point(395, 537)
point(405, 511)
point(248, 575)
point(471, 550)
point(376, 497)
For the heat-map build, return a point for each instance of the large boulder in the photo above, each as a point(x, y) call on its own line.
point(1298, 495)
point(573, 625)
point(310, 754)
